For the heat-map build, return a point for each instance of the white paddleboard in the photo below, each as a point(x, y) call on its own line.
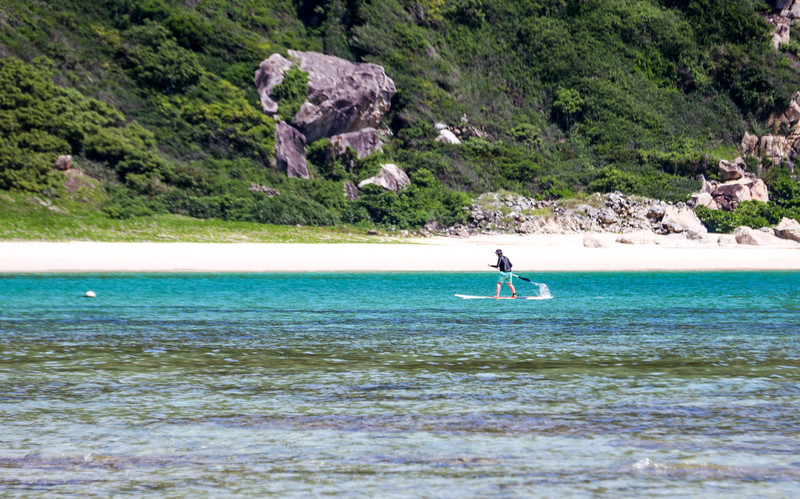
point(471, 297)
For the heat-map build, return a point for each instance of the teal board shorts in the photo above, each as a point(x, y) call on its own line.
point(504, 277)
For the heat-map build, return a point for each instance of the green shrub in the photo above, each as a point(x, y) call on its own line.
point(156, 60)
point(291, 93)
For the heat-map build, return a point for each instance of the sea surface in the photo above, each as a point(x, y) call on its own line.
point(387, 385)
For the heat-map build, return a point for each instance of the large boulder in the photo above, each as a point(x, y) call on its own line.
point(731, 170)
point(789, 228)
point(679, 219)
point(364, 142)
point(728, 195)
point(752, 237)
point(290, 151)
point(64, 163)
point(390, 177)
point(448, 137)
point(342, 96)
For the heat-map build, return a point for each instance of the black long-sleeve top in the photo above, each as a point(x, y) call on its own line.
point(503, 264)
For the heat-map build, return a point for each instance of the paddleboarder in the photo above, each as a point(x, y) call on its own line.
point(505, 276)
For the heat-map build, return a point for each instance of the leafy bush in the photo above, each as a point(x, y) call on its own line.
point(291, 93)
point(156, 60)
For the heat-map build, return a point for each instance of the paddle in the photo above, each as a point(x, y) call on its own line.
point(523, 278)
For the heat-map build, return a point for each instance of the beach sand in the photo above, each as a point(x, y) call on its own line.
point(531, 253)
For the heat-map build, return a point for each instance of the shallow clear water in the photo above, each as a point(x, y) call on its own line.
point(623, 384)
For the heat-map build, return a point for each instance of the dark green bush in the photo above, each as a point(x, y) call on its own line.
point(156, 60)
point(291, 93)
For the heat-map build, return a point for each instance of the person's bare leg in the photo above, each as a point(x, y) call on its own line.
point(513, 291)
point(497, 294)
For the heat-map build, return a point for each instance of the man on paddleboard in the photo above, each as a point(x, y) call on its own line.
point(504, 266)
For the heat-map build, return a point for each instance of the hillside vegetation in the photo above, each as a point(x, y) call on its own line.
point(155, 101)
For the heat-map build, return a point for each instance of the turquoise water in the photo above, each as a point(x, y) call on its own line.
point(386, 385)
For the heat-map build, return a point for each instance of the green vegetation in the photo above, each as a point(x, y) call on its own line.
point(155, 101)
point(25, 217)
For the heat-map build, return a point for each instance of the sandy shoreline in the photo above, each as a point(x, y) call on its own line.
point(528, 253)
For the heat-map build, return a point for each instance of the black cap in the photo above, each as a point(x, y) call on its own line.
point(498, 252)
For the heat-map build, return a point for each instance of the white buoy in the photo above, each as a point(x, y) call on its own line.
point(90, 294)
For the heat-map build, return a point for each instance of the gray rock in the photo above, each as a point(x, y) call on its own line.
point(390, 177)
point(290, 151)
point(350, 191)
point(64, 163)
point(364, 142)
point(342, 96)
point(592, 242)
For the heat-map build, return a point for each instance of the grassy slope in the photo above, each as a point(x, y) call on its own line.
point(27, 217)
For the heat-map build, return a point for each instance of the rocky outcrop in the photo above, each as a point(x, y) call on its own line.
point(789, 228)
point(363, 142)
point(738, 186)
point(789, 9)
point(390, 177)
point(342, 97)
point(345, 102)
point(455, 134)
point(612, 212)
point(290, 151)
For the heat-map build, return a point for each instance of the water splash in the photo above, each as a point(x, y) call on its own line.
point(544, 291)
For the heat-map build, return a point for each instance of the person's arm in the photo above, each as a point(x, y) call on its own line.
point(497, 265)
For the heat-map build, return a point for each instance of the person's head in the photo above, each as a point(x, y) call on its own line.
point(498, 252)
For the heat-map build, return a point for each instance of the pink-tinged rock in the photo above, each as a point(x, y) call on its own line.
point(789, 228)
point(752, 237)
point(730, 171)
point(749, 144)
point(775, 147)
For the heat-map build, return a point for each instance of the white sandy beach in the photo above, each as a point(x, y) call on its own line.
point(529, 253)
